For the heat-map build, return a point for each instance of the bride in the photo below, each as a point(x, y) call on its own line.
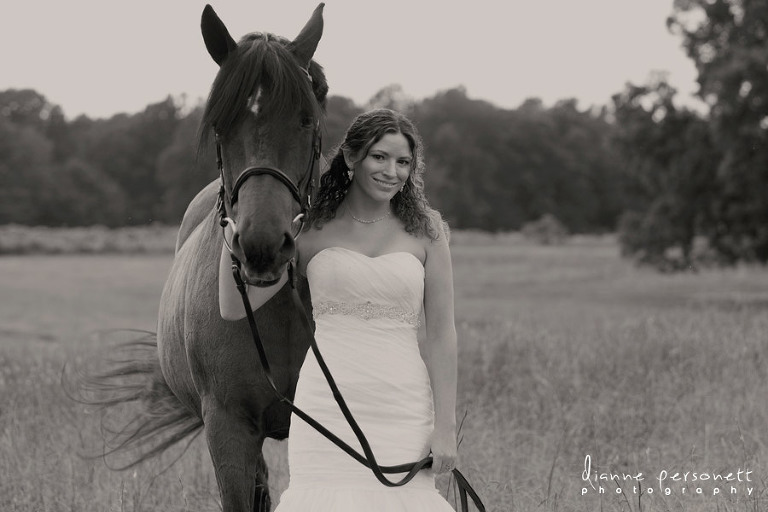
point(377, 261)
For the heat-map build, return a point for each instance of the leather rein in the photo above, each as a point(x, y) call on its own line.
point(303, 198)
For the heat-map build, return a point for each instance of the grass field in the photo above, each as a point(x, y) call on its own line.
point(565, 352)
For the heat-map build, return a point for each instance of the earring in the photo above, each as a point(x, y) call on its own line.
point(350, 174)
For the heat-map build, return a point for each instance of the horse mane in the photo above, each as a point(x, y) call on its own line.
point(261, 61)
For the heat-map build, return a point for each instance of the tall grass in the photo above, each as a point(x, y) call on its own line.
point(564, 352)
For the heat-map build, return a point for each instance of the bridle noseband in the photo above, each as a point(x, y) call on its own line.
point(301, 193)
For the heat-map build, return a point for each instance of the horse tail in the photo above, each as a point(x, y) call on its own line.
point(120, 376)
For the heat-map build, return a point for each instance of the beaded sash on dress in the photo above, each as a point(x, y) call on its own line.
point(366, 311)
point(342, 287)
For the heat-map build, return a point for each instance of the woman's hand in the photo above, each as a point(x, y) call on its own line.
point(230, 301)
point(444, 451)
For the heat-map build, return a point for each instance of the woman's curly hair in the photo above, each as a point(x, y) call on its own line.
point(410, 205)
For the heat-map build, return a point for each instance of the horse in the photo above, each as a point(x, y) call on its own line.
point(202, 374)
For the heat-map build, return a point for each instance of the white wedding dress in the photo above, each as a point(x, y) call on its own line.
point(366, 313)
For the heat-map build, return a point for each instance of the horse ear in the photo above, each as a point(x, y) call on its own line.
point(217, 39)
point(305, 44)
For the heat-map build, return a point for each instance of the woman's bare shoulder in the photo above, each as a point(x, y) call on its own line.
point(306, 247)
point(313, 241)
point(438, 239)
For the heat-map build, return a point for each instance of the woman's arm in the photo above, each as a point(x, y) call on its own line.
point(230, 302)
point(440, 350)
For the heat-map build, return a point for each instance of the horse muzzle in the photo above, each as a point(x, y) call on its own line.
point(261, 263)
point(261, 280)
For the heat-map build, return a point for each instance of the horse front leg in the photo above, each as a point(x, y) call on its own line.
point(235, 446)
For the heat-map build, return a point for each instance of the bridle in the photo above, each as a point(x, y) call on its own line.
point(302, 194)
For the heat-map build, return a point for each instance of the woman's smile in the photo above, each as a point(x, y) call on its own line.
point(386, 183)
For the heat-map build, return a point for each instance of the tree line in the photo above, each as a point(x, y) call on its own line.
point(488, 168)
point(698, 184)
point(678, 185)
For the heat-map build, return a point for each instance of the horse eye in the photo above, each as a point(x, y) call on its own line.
point(307, 121)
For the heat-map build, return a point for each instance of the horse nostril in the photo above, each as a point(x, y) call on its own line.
point(289, 245)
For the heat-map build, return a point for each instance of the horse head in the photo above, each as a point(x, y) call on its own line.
point(264, 109)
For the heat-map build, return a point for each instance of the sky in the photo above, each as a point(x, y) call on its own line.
point(101, 57)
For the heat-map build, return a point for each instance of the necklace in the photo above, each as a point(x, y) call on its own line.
point(364, 221)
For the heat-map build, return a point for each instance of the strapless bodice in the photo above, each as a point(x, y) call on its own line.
point(345, 282)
